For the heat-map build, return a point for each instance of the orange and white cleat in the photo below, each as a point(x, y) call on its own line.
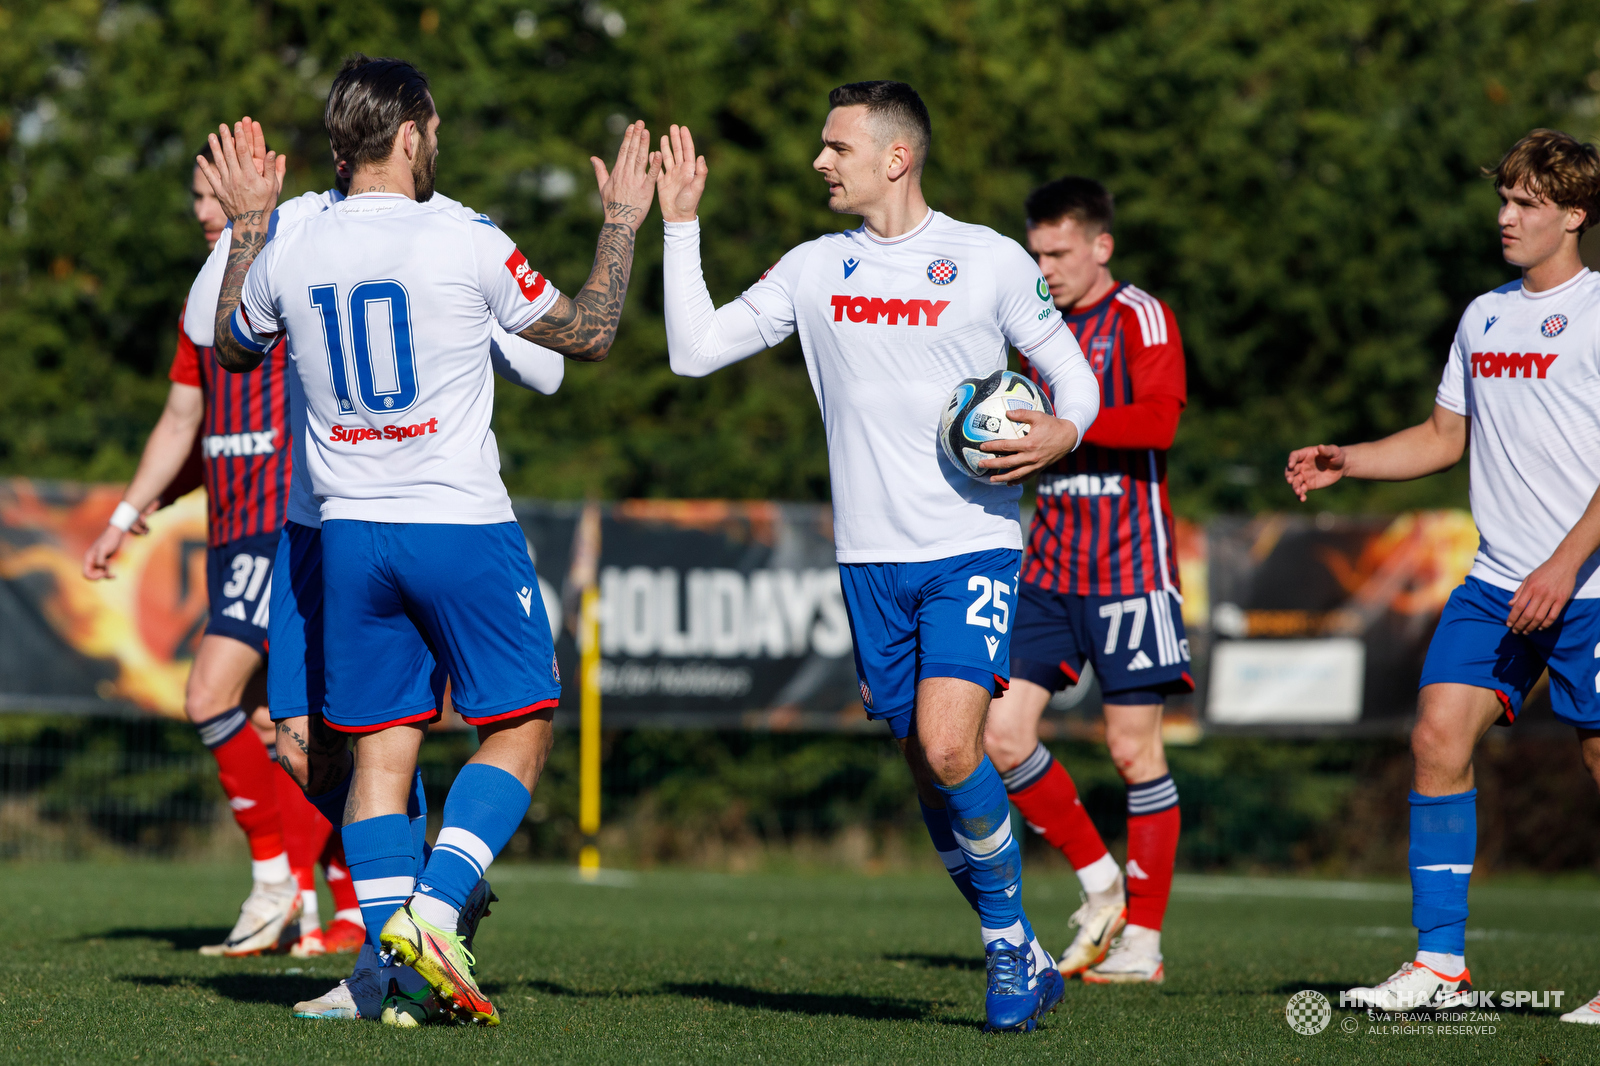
point(1134, 959)
point(1415, 986)
point(310, 945)
point(268, 921)
point(343, 937)
point(1588, 1014)
point(1098, 925)
point(442, 960)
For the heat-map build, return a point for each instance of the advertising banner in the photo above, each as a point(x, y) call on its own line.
point(728, 614)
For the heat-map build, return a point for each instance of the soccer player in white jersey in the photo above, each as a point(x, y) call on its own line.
point(1523, 386)
point(314, 755)
point(387, 307)
point(892, 316)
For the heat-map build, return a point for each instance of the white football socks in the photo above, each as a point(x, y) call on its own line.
point(1099, 876)
point(1144, 941)
point(270, 871)
point(309, 908)
point(435, 912)
point(1442, 964)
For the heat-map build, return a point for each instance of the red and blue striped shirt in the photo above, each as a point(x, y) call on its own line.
point(244, 440)
point(1102, 524)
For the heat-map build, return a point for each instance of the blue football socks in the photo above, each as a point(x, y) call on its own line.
point(483, 809)
point(417, 811)
point(980, 822)
point(383, 867)
point(1444, 841)
point(950, 853)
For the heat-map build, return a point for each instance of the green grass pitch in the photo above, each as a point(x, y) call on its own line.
point(671, 967)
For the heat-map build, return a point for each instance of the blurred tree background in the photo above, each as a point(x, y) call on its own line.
point(1299, 179)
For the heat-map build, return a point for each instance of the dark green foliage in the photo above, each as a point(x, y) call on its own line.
point(1300, 180)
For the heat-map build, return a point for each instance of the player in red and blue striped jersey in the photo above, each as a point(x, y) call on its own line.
point(237, 425)
point(1100, 588)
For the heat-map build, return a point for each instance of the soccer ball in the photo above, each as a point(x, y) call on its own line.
point(977, 413)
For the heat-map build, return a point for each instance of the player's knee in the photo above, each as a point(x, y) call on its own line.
point(201, 702)
point(1007, 745)
point(1136, 755)
point(951, 762)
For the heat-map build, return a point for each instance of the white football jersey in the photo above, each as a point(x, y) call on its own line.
point(889, 328)
point(1525, 367)
point(389, 306)
point(519, 361)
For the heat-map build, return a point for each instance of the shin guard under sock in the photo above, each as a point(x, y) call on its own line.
point(1048, 800)
point(382, 867)
point(950, 853)
point(1153, 824)
point(980, 821)
point(246, 776)
point(484, 807)
point(1444, 842)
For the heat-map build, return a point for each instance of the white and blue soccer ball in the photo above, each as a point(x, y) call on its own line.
point(976, 413)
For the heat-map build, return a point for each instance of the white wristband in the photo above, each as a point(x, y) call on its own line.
point(125, 516)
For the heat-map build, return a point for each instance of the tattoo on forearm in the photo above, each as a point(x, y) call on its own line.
point(584, 327)
point(248, 240)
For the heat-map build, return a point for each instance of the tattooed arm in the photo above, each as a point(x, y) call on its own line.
point(584, 327)
point(247, 183)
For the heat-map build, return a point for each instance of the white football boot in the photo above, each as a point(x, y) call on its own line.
point(1415, 987)
point(1134, 959)
point(337, 1004)
point(268, 921)
point(1099, 920)
point(1588, 1014)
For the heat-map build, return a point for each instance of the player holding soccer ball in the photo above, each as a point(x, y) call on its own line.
point(392, 351)
point(1523, 386)
point(892, 316)
point(236, 425)
point(1100, 587)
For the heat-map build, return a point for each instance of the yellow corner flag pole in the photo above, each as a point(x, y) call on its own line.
point(586, 563)
point(589, 736)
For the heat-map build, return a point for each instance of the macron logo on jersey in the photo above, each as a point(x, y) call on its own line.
point(1498, 364)
point(529, 280)
point(871, 308)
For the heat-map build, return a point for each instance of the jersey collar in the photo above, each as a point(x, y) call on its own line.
point(927, 220)
point(1558, 290)
point(1075, 313)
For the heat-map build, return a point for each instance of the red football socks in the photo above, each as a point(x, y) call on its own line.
point(305, 831)
point(247, 778)
point(1153, 822)
point(1052, 808)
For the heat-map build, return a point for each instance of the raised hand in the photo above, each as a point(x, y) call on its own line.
point(683, 176)
point(245, 177)
point(1315, 467)
point(627, 189)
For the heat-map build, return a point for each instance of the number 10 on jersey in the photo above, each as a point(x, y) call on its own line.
point(380, 318)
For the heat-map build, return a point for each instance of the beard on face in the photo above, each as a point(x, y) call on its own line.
point(423, 169)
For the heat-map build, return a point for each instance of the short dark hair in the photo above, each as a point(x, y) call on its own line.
point(369, 102)
point(1556, 166)
point(893, 103)
point(205, 150)
point(1084, 200)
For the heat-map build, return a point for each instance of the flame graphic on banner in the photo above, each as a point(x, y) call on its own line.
point(147, 619)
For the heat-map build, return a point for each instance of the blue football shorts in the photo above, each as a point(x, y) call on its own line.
point(398, 597)
point(1473, 646)
point(1136, 643)
point(239, 588)
point(943, 618)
